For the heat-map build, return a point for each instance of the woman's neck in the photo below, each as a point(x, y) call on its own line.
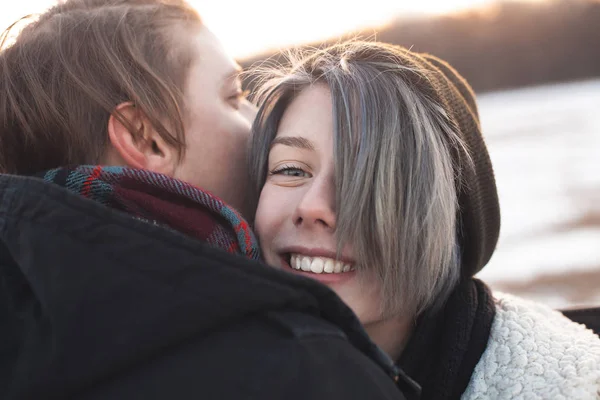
point(391, 334)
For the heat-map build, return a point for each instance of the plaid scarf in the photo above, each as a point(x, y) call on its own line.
point(161, 200)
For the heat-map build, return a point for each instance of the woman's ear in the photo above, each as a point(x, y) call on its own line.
point(137, 143)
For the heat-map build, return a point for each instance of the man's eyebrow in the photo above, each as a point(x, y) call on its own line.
point(233, 74)
point(293, 141)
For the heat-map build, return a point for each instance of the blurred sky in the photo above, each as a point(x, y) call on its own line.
point(248, 27)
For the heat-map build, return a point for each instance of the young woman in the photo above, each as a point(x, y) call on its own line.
point(373, 178)
point(115, 277)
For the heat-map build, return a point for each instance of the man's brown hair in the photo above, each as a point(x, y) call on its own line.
point(65, 73)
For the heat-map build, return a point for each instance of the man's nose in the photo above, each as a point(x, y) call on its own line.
point(248, 110)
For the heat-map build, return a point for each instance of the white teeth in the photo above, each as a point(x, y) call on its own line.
point(306, 264)
point(318, 265)
point(329, 266)
point(294, 261)
point(337, 267)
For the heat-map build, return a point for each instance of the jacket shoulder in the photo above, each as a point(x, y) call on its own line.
point(302, 325)
point(536, 352)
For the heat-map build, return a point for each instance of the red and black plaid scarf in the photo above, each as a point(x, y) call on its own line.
point(161, 200)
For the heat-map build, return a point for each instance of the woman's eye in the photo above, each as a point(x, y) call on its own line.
point(291, 172)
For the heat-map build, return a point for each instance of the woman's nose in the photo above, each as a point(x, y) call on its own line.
point(317, 206)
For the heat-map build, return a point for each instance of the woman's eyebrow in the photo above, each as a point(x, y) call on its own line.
point(293, 141)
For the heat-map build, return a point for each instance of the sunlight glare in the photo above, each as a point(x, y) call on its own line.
point(247, 28)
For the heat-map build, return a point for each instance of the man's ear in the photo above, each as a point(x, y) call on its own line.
point(139, 145)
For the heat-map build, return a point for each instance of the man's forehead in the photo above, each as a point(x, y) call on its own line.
point(213, 57)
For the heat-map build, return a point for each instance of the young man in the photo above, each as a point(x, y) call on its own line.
point(132, 274)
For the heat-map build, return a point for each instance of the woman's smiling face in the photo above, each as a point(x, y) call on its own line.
point(296, 216)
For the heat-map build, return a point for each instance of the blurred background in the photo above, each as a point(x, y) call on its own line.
point(535, 66)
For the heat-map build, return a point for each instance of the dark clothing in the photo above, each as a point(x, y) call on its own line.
point(447, 345)
point(97, 305)
point(590, 317)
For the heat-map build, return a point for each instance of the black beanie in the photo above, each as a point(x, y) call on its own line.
point(479, 210)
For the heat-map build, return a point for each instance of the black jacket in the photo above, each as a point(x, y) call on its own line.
point(96, 305)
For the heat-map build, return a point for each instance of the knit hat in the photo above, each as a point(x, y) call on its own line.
point(479, 210)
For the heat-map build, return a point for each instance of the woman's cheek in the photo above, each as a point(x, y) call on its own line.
point(266, 215)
